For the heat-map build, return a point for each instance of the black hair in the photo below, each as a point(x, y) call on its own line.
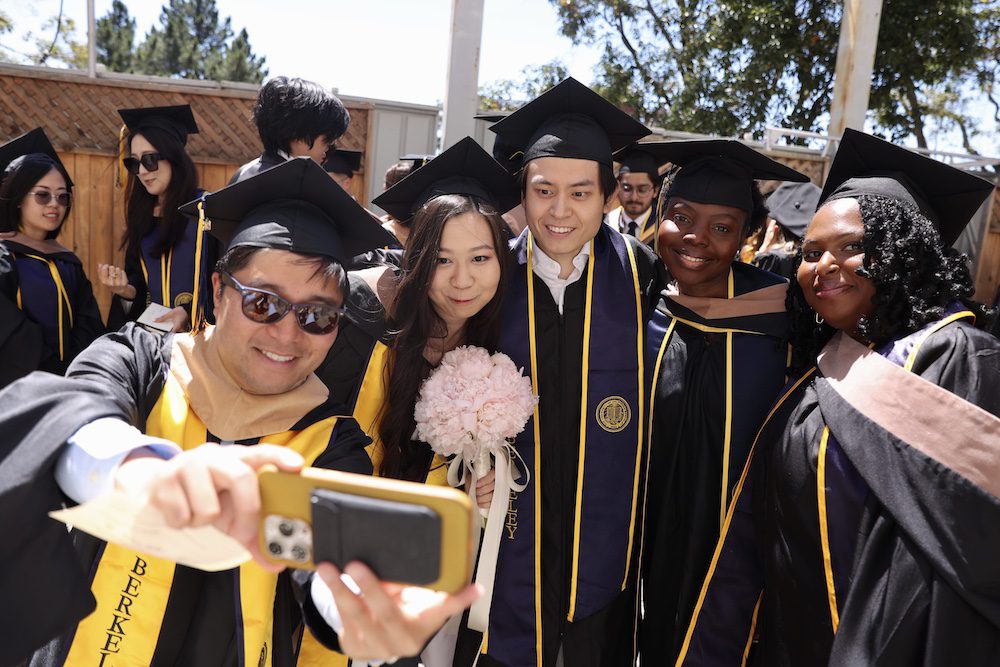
point(606, 181)
point(21, 175)
point(140, 204)
point(289, 109)
point(916, 277)
point(416, 321)
point(325, 267)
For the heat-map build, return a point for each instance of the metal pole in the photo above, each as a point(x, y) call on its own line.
point(461, 101)
point(855, 64)
point(91, 40)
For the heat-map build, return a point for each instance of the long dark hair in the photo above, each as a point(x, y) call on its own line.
point(139, 204)
point(413, 317)
point(19, 178)
point(916, 278)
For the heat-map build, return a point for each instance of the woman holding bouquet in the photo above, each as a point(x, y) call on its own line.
point(863, 532)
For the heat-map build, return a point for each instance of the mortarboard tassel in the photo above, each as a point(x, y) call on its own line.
point(122, 147)
point(198, 301)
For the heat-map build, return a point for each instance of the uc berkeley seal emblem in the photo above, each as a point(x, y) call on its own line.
point(613, 414)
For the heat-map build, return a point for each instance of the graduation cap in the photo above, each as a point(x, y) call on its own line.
point(634, 159)
point(341, 161)
point(34, 141)
point(792, 205)
point(719, 171)
point(418, 159)
point(294, 206)
point(176, 120)
point(571, 121)
point(867, 165)
point(463, 169)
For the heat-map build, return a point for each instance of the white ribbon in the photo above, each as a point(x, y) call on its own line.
point(509, 477)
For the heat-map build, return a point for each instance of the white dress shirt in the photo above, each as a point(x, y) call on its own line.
point(548, 270)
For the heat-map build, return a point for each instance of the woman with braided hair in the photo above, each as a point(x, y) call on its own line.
point(863, 530)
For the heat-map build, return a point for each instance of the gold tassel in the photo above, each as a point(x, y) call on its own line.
point(198, 320)
point(122, 151)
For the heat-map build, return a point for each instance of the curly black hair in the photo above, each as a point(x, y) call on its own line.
point(916, 278)
point(289, 109)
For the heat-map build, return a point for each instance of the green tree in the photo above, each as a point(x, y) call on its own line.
point(733, 67)
point(508, 94)
point(57, 44)
point(191, 42)
point(116, 38)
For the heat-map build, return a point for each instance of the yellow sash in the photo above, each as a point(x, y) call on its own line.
point(132, 589)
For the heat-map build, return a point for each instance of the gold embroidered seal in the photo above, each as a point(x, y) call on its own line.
point(183, 298)
point(613, 414)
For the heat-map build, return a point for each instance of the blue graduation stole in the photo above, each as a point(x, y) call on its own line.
point(612, 445)
point(170, 278)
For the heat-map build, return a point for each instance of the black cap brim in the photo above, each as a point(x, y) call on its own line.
point(294, 206)
point(635, 159)
point(570, 121)
point(464, 169)
point(33, 141)
point(177, 120)
point(868, 165)
point(342, 161)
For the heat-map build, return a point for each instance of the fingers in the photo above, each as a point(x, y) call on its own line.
point(484, 489)
point(264, 454)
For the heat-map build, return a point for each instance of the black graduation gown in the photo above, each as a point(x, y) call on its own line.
point(257, 165)
point(181, 268)
point(695, 393)
point(121, 375)
point(776, 261)
point(26, 270)
point(894, 548)
point(607, 637)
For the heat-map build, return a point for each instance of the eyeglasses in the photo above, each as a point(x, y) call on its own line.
point(43, 197)
point(151, 161)
point(642, 189)
point(267, 308)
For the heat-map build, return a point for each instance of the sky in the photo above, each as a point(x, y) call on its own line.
point(388, 49)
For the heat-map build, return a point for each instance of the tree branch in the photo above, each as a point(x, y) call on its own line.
point(660, 25)
point(49, 51)
point(648, 80)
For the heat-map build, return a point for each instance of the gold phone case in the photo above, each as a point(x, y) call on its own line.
point(286, 516)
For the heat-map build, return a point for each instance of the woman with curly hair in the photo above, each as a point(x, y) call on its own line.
point(717, 345)
point(864, 531)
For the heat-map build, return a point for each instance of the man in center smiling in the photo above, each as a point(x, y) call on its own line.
point(574, 314)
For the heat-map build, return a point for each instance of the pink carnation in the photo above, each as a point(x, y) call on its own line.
point(473, 403)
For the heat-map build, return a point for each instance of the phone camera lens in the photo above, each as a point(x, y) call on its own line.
point(298, 553)
point(274, 548)
point(286, 528)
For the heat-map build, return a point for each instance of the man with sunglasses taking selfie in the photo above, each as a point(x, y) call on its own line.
point(179, 420)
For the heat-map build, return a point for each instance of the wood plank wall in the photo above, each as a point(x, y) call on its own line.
point(988, 275)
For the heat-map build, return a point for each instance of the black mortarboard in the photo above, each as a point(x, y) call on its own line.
point(719, 171)
point(792, 205)
point(177, 120)
point(509, 156)
point(294, 206)
point(867, 165)
point(635, 159)
point(571, 121)
point(463, 169)
point(33, 141)
point(418, 159)
point(341, 161)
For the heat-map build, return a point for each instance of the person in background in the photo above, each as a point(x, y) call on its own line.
point(341, 164)
point(168, 259)
point(639, 183)
point(48, 313)
point(791, 207)
point(294, 117)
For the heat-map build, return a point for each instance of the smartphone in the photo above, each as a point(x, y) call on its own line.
point(409, 533)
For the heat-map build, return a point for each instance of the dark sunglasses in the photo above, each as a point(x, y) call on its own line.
point(151, 161)
point(43, 197)
point(267, 307)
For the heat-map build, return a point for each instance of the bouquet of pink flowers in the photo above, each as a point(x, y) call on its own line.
point(473, 405)
point(471, 408)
